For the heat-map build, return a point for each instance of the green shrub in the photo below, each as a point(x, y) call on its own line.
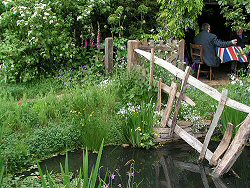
point(53, 139)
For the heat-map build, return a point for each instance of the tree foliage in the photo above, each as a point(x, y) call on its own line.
point(236, 13)
point(39, 36)
point(176, 15)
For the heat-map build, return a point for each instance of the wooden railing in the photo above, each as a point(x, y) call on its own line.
point(233, 150)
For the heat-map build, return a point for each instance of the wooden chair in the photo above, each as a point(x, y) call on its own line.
point(197, 55)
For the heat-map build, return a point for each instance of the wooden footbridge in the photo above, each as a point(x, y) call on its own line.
point(175, 65)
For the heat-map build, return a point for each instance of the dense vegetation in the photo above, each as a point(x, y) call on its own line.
point(54, 94)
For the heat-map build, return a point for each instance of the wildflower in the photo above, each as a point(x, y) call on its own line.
point(86, 43)
point(113, 176)
point(138, 129)
point(79, 18)
point(20, 103)
point(46, 14)
point(233, 82)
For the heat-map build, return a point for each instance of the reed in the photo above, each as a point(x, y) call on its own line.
point(84, 180)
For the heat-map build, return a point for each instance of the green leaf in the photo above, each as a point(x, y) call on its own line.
point(97, 165)
point(42, 176)
point(86, 169)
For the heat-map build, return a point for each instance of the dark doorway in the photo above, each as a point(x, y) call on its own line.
point(211, 14)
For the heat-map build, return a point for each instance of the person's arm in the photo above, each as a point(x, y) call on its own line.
point(219, 43)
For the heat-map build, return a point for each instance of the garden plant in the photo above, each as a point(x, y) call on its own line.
point(55, 95)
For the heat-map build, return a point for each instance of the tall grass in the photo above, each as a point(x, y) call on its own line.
point(235, 117)
point(44, 126)
point(1, 161)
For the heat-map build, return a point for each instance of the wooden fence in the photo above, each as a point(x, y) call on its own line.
point(231, 149)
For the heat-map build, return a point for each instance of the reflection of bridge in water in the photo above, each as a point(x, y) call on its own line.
point(168, 167)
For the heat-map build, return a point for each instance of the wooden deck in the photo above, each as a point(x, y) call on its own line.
point(162, 135)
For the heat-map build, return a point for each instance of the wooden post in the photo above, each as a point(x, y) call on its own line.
point(178, 104)
point(214, 123)
point(181, 54)
point(234, 150)
point(152, 67)
point(161, 44)
point(159, 95)
point(109, 55)
point(133, 57)
point(170, 104)
point(223, 144)
point(151, 43)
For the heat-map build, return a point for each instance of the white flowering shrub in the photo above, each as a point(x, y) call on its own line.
point(39, 36)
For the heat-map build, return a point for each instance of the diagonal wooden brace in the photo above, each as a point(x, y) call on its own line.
point(213, 124)
point(178, 104)
point(170, 104)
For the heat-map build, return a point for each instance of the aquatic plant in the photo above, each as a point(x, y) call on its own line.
point(139, 122)
point(84, 180)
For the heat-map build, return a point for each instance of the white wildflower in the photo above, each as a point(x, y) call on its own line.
point(46, 14)
point(79, 18)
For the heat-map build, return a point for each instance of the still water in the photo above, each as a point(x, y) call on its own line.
point(171, 166)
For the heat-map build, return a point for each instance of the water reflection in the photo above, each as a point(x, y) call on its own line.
point(172, 166)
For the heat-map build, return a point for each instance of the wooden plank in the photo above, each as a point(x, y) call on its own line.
point(170, 104)
point(159, 95)
point(196, 83)
point(152, 67)
point(223, 145)
point(234, 150)
point(192, 141)
point(109, 55)
point(167, 89)
point(214, 123)
point(161, 48)
point(178, 103)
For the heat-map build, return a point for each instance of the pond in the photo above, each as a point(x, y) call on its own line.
point(173, 165)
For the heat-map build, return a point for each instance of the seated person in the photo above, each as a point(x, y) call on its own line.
point(242, 40)
point(209, 42)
